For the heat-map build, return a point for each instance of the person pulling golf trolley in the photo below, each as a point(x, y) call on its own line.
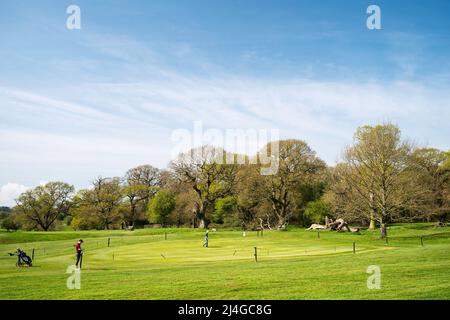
point(206, 242)
point(22, 258)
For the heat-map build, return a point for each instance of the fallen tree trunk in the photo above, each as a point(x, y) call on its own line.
point(338, 225)
point(316, 226)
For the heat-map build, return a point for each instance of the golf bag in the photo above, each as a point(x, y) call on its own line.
point(22, 258)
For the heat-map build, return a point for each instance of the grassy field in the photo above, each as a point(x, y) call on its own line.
point(294, 264)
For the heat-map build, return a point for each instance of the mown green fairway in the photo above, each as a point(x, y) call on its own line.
point(291, 265)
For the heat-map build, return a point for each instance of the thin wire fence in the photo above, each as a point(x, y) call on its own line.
point(326, 245)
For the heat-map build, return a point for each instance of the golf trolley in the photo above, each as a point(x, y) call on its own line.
point(22, 258)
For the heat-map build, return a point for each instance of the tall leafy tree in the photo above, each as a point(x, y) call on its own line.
point(100, 206)
point(43, 205)
point(433, 168)
point(225, 208)
point(140, 185)
point(184, 213)
point(251, 198)
point(161, 206)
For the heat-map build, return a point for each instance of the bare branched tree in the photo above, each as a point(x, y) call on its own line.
point(298, 164)
point(376, 181)
point(205, 169)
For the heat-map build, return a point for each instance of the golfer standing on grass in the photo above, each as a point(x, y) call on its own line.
point(205, 244)
point(79, 252)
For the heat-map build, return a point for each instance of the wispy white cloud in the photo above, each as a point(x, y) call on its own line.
point(140, 117)
point(75, 132)
point(406, 51)
point(9, 192)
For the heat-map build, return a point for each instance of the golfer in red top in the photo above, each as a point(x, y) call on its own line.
point(79, 252)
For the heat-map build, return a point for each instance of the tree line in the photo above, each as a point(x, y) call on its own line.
point(381, 179)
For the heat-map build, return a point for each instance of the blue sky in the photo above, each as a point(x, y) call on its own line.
point(75, 104)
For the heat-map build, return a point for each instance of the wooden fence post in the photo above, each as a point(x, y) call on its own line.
point(256, 254)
